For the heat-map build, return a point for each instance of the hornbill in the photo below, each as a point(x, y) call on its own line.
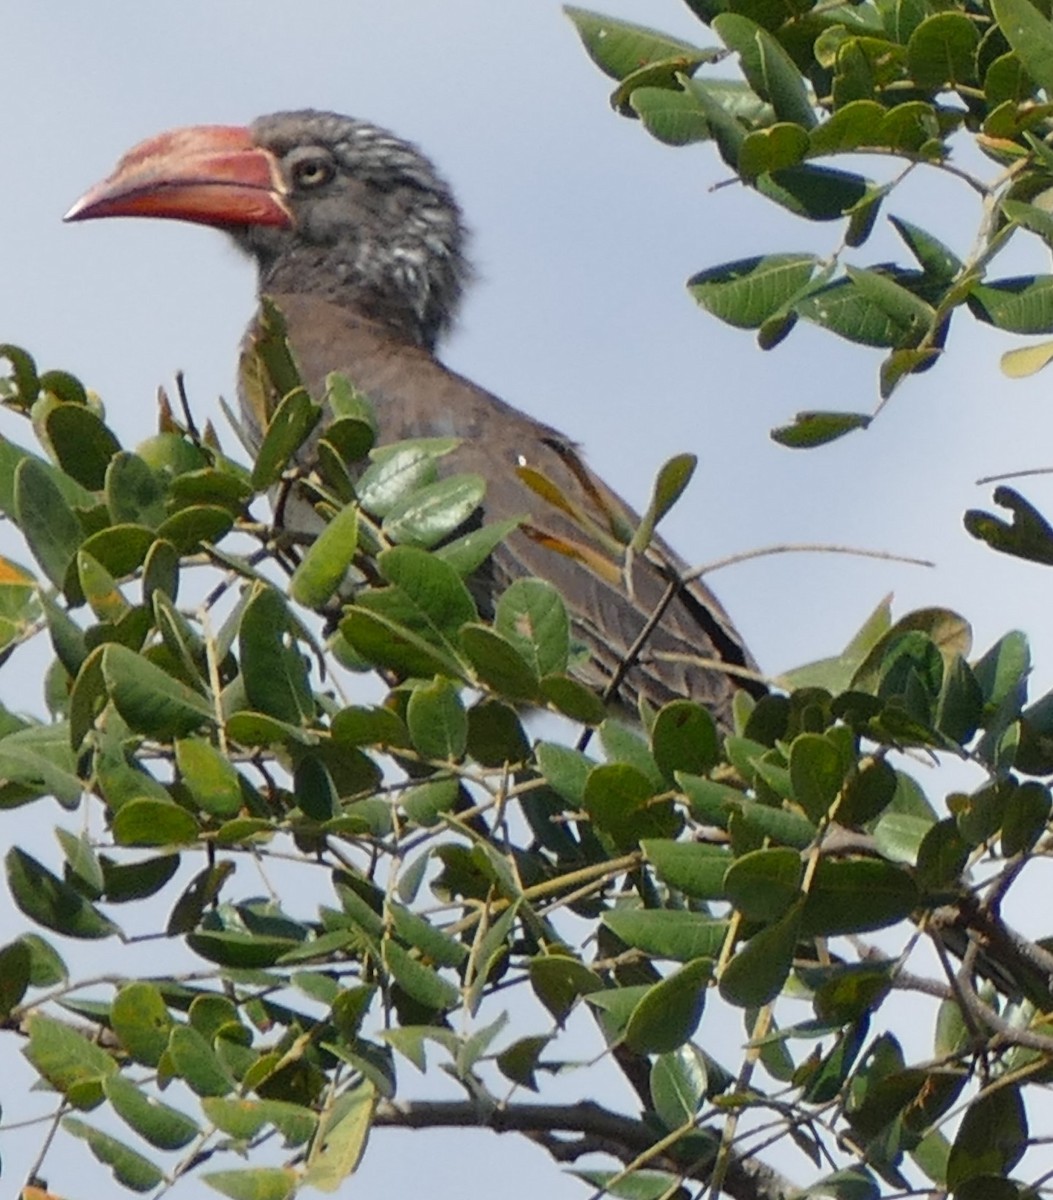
point(360, 244)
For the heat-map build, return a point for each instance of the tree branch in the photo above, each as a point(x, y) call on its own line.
point(593, 1129)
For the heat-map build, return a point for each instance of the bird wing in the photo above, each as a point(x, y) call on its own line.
point(415, 396)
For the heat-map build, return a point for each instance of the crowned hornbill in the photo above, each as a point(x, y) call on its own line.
point(361, 246)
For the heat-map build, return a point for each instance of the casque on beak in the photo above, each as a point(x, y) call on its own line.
point(211, 174)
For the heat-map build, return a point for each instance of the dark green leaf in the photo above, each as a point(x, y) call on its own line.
point(669, 1013)
point(756, 974)
point(1028, 534)
point(83, 445)
point(44, 898)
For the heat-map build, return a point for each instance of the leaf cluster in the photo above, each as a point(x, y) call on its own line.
point(903, 82)
point(456, 856)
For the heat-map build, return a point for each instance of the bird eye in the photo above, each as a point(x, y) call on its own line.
point(313, 172)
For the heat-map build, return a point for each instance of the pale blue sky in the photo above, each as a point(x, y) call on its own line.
point(584, 232)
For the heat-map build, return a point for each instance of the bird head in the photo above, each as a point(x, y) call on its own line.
point(326, 205)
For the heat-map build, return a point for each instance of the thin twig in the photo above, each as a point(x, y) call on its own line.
point(732, 560)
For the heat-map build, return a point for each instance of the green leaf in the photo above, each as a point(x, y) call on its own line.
point(694, 868)
point(209, 776)
point(816, 193)
point(519, 1062)
point(23, 374)
point(190, 528)
point(756, 974)
point(678, 1085)
point(147, 822)
point(159, 1124)
point(418, 981)
point(140, 1018)
point(40, 757)
point(666, 933)
point(82, 443)
point(719, 110)
point(322, 568)
point(816, 772)
point(532, 616)
point(1023, 304)
point(774, 149)
point(499, 663)
point(673, 117)
point(620, 801)
point(46, 520)
point(130, 1168)
point(1028, 32)
point(933, 256)
point(748, 292)
point(431, 513)
point(342, 1138)
point(121, 549)
point(669, 485)
point(467, 553)
point(384, 642)
point(400, 469)
point(991, 1139)
point(684, 738)
point(942, 50)
point(811, 429)
point(289, 427)
point(256, 1183)
point(573, 699)
point(149, 699)
point(1027, 535)
point(194, 1060)
point(769, 70)
point(71, 1063)
point(618, 47)
point(559, 981)
point(763, 884)
point(1024, 820)
point(669, 1012)
point(856, 896)
point(850, 127)
point(907, 310)
point(46, 899)
point(14, 976)
point(437, 722)
point(273, 668)
point(844, 308)
point(439, 601)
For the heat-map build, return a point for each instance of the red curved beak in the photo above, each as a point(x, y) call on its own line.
point(211, 174)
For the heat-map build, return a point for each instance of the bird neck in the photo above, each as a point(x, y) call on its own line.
point(412, 291)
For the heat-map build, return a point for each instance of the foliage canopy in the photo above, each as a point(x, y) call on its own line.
point(445, 862)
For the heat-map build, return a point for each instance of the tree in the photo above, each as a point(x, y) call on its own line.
point(444, 864)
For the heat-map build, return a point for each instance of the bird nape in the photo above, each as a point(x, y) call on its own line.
point(360, 244)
